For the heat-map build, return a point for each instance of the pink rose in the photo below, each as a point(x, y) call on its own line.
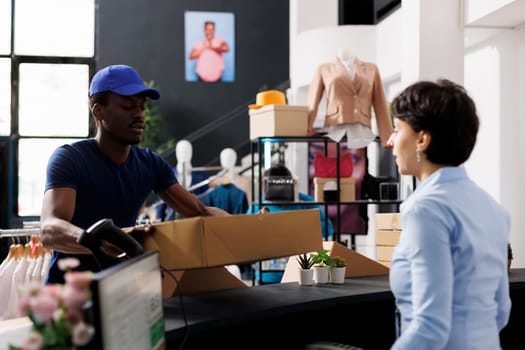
point(67, 264)
point(82, 333)
point(74, 298)
point(78, 279)
point(33, 342)
point(42, 307)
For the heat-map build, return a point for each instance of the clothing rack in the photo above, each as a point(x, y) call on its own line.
point(208, 180)
point(20, 232)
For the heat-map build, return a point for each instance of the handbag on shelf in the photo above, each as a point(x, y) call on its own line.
point(279, 188)
point(327, 166)
point(371, 184)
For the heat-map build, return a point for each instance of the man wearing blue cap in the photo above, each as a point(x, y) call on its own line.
point(107, 176)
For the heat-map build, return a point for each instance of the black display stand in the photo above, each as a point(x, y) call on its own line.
point(257, 147)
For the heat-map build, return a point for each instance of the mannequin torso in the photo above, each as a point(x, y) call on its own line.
point(184, 152)
point(347, 59)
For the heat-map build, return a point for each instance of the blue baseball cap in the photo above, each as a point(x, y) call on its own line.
point(122, 80)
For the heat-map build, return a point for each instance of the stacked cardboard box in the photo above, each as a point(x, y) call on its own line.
point(388, 230)
point(347, 188)
point(278, 120)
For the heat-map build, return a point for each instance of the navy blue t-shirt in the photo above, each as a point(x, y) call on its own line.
point(104, 189)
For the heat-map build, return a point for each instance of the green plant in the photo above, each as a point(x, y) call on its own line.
point(337, 261)
point(151, 138)
point(322, 258)
point(305, 261)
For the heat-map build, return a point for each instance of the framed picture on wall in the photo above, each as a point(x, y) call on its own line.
point(209, 46)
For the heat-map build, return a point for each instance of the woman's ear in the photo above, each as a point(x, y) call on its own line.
point(423, 140)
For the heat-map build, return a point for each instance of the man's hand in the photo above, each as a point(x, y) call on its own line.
point(140, 232)
point(263, 210)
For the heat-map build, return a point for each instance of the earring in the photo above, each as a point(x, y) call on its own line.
point(418, 156)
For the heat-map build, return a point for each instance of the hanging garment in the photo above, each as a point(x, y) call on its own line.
point(350, 101)
point(229, 198)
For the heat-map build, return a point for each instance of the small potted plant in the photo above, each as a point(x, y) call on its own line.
point(322, 262)
point(306, 273)
point(337, 270)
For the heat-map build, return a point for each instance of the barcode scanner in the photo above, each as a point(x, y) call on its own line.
point(104, 230)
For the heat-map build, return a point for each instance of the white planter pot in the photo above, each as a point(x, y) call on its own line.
point(306, 277)
point(321, 274)
point(337, 275)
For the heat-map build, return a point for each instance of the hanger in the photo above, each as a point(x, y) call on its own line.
point(208, 180)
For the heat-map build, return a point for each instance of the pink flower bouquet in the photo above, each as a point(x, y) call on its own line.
point(56, 311)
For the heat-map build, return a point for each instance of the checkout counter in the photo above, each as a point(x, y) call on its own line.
point(359, 312)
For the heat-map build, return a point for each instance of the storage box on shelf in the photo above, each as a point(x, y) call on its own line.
point(322, 185)
point(388, 230)
point(278, 120)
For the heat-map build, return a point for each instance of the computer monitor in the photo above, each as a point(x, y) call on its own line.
point(127, 305)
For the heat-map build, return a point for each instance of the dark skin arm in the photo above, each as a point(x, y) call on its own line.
point(59, 205)
point(55, 228)
point(187, 204)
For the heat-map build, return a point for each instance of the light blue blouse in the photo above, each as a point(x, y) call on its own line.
point(449, 270)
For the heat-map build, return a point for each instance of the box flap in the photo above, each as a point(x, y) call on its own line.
point(180, 243)
point(245, 237)
point(356, 263)
point(206, 280)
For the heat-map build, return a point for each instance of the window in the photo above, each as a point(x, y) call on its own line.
point(5, 98)
point(53, 99)
point(5, 27)
point(54, 28)
point(45, 73)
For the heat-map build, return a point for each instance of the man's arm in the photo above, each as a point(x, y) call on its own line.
point(187, 204)
point(198, 48)
point(223, 47)
point(195, 53)
point(55, 228)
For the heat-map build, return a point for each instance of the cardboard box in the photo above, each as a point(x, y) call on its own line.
point(388, 221)
point(212, 241)
point(387, 237)
point(384, 253)
point(385, 263)
point(347, 188)
point(278, 120)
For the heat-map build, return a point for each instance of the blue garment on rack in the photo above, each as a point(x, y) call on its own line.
point(327, 229)
point(229, 198)
point(165, 213)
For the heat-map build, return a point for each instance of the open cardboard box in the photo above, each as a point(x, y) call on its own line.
point(216, 241)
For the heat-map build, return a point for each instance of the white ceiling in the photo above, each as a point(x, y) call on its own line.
point(509, 16)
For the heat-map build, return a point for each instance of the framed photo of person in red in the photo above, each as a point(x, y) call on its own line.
point(209, 46)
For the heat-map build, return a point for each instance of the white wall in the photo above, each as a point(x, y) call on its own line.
point(494, 75)
point(495, 79)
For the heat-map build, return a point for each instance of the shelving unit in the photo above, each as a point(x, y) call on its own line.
point(257, 147)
